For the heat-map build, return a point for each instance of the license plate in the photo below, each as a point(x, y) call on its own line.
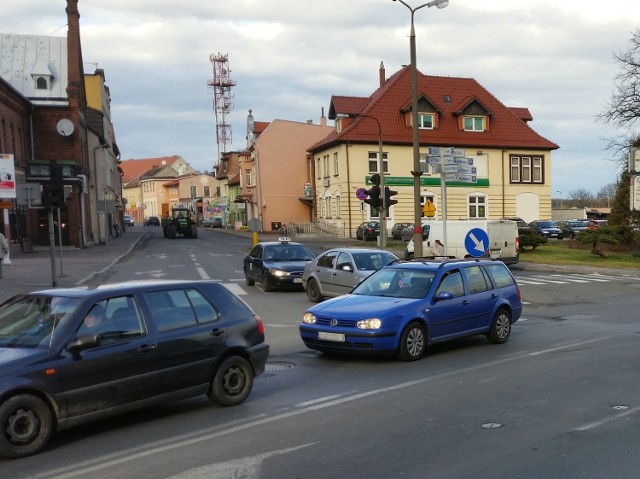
point(297, 280)
point(495, 253)
point(331, 336)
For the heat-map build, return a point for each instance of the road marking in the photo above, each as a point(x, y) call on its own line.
point(203, 274)
point(595, 424)
point(108, 461)
point(235, 288)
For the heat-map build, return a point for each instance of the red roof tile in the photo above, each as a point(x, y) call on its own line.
point(134, 168)
point(448, 95)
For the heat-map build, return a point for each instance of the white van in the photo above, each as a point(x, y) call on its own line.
point(463, 242)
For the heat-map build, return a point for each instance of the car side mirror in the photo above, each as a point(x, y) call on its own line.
point(346, 267)
point(443, 295)
point(83, 342)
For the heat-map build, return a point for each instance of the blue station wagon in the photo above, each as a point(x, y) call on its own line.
point(407, 305)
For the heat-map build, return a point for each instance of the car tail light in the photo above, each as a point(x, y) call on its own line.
point(517, 244)
point(259, 324)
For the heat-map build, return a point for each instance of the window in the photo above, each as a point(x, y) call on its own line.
point(172, 309)
point(318, 169)
point(41, 83)
point(193, 191)
point(325, 159)
point(452, 282)
point(112, 319)
point(326, 261)
point(477, 207)
point(478, 280)
point(373, 162)
point(473, 123)
point(425, 121)
point(247, 175)
point(336, 169)
point(500, 275)
point(207, 191)
point(327, 206)
point(526, 169)
point(338, 214)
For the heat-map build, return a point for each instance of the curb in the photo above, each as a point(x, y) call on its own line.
point(88, 278)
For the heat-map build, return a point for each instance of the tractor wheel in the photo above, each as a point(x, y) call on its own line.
point(194, 231)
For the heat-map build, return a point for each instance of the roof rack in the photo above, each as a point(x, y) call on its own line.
point(444, 259)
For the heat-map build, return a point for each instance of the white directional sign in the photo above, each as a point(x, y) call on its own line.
point(462, 169)
point(458, 161)
point(433, 160)
point(635, 193)
point(634, 160)
point(463, 178)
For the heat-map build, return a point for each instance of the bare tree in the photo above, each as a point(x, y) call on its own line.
point(607, 193)
point(581, 197)
point(623, 108)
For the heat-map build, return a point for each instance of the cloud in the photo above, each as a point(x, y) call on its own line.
point(288, 57)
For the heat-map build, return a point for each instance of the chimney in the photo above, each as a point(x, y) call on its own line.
point(323, 119)
point(382, 74)
point(75, 70)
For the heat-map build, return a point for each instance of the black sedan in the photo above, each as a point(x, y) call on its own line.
point(69, 356)
point(276, 264)
point(369, 230)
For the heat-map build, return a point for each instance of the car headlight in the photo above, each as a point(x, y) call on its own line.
point(371, 323)
point(278, 273)
point(309, 318)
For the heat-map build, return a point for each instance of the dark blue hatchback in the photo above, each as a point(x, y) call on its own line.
point(405, 306)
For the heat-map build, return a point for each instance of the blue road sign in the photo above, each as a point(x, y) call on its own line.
point(476, 242)
point(361, 194)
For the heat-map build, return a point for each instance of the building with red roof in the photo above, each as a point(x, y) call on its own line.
point(511, 161)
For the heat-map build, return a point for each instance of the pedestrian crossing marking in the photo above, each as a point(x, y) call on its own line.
point(542, 279)
point(235, 288)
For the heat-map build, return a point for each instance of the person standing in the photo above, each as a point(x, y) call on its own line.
point(4, 250)
point(437, 249)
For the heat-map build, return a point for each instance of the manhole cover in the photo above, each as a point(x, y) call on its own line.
point(621, 407)
point(278, 366)
point(491, 425)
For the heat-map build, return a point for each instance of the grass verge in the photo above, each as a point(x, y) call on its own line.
point(571, 252)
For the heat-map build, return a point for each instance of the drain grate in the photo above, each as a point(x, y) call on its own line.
point(279, 366)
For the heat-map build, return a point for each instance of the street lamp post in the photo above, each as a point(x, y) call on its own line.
point(417, 210)
point(560, 191)
point(382, 209)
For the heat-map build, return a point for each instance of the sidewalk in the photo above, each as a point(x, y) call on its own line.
point(32, 271)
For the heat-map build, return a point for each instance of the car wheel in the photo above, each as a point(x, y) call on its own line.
point(413, 342)
point(232, 382)
point(26, 426)
point(500, 327)
point(267, 287)
point(248, 280)
point(313, 291)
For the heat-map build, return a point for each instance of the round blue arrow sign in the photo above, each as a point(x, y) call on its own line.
point(476, 242)
point(361, 194)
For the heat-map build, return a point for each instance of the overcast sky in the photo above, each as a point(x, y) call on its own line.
point(288, 57)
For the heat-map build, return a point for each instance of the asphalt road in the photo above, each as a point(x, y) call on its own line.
point(560, 399)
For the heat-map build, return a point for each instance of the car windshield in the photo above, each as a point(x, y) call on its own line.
point(30, 321)
point(546, 224)
point(578, 224)
point(396, 283)
point(287, 252)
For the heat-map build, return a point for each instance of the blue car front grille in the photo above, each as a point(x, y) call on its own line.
point(342, 323)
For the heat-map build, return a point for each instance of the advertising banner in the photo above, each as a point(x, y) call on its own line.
point(7, 176)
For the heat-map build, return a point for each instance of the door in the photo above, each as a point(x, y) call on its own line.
point(118, 371)
point(448, 316)
point(343, 274)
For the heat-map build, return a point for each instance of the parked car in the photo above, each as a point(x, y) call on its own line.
point(569, 228)
point(547, 228)
point(522, 225)
point(407, 233)
point(152, 221)
point(276, 264)
point(396, 230)
point(593, 224)
point(128, 220)
point(403, 307)
point(212, 223)
point(369, 230)
point(68, 356)
point(338, 270)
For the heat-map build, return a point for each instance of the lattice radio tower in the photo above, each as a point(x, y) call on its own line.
point(221, 85)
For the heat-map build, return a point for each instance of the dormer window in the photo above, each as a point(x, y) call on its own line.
point(41, 75)
point(425, 121)
point(42, 84)
point(473, 123)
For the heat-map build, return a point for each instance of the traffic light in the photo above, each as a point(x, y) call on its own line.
point(53, 194)
point(387, 198)
point(374, 196)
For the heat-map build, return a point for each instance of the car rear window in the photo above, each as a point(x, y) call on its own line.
point(501, 275)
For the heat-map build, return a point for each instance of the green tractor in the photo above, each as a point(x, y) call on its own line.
point(181, 222)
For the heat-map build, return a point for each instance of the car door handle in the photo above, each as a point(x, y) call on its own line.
point(465, 302)
point(217, 332)
point(145, 348)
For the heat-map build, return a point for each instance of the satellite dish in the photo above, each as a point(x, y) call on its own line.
point(164, 162)
point(65, 127)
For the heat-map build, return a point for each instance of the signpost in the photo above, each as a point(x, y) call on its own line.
point(476, 242)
